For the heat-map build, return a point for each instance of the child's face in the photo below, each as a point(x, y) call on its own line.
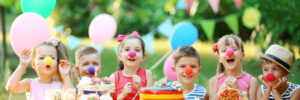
point(182, 64)
point(132, 44)
point(39, 61)
point(234, 61)
point(274, 69)
point(86, 61)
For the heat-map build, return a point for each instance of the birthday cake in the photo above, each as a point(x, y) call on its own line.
point(163, 91)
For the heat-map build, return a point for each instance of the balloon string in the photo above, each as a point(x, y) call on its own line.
point(135, 95)
point(160, 60)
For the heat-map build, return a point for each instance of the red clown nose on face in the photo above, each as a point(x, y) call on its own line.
point(229, 52)
point(188, 70)
point(132, 53)
point(270, 77)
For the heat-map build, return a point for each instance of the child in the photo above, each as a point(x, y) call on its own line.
point(131, 78)
point(276, 63)
point(49, 71)
point(86, 57)
point(187, 68)
point(229, 74)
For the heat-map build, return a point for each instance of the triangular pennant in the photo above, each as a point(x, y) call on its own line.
point(99, 48)
point(214, 4)
point(208, 26)
point(165, 27)
point(189, 4)
point(116, 50)
point(232, 22)
point(148, 38)
point(73, 42)
point(238, 3)
point(181, 4)
point(59, 28)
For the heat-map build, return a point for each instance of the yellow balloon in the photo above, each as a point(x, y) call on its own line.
point(48, 60)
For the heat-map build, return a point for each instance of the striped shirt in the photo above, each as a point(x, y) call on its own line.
point(286, 94)
point(197, 93)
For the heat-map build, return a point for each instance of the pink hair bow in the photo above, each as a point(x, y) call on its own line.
point(120, 38)
point(54, 42)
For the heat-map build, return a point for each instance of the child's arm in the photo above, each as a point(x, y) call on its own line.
point(14, 85)
point(253, 88)
point(127, 89)
point(212, 88)
point(149, 78)
point(267, 92)
point(75, 74)
point(275, 89)
point(295, 95)
point(64, 69)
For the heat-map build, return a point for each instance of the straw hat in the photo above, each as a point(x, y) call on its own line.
point(279, 55)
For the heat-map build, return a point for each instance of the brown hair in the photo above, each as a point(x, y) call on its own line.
point(62, 54)
point(225, 40)
point(84, 50)
point(183, 51)
point(121, 45)
point(267, 61)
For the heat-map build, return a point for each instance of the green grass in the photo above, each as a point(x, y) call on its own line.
point(110, 65)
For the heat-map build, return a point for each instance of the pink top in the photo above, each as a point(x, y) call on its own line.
point(121, 80)
point(243, 81)
point(38, 90)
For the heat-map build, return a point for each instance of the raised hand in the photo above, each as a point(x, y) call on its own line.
point(25, 57)
point(137, 81)
point(282, 81)
point(127, 88)
point(261, 78)
point(232, 82)
point(64, 68)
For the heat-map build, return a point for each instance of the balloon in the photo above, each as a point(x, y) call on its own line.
point(27, 31)
point(183, 34)
point(42, 7)
point(168, 68)
point(102, 28)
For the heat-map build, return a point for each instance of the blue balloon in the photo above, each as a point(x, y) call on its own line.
point(183, 34)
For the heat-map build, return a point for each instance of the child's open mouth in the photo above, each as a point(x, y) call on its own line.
point(130, 59)
point(230, 61)
point(47, 66)
point(187, 76)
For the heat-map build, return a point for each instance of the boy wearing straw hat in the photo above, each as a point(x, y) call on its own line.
point(276, 63)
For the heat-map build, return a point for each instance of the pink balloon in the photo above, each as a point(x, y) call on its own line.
point(27, 31)
point(168, 68)
point(102, 28)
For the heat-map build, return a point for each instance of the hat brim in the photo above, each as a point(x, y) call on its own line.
point(271, 59)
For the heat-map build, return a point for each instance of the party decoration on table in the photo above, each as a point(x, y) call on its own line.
point(251, 17)
point(229, 52)
point(27, 31)
point(208, 28)
point(102, 28)
point(163, 91)
point(183, 34)
point(270, 77)
point(214, 4)
point(168, 68)
point(229, 94)
point(232, 22)
point(41, 7)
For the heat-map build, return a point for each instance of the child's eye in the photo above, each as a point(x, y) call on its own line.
point(265, 69)
point(41, 58)
point(137, 50)
point(127, 49)
point(182, 66)
point(95, 63)
point(234, 49)
point(274, 68)
point(193, 66)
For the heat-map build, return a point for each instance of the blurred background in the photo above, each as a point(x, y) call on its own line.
point(259, 23)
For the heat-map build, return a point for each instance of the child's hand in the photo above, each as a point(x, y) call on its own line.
point(232, 82)
point(137, 81)
point(64, 68)
point(25, 57)
point(266, 84)
point(282, 80)
point(127, 89)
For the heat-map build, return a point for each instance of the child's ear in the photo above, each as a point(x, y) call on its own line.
point(99, 70)
point(173, 69)
point(119, 56)
point(200, 69)
point(76, 69)
point(144, 57)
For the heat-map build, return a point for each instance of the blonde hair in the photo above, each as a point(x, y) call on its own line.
point(62, 54)
point(225, 40)
point(84, 50)
point(183, 51)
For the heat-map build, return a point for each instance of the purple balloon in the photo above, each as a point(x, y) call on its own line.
point(168, 68)
point(102, 28)
point(91, 70)
point(27, 31)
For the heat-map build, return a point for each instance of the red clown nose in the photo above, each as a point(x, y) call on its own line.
point(270, 77)
point(132, 53)
point(188, 70)
point(229, 52)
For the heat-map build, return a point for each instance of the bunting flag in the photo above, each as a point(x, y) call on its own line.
point(59, 28)
point(116, 50)
point(232, 22)
point(238, 3)
point(208, 26)
point(99, 48)
point(214, 4)
point(189, 4)
point(181, 4)
point(73, 42)
point(165, 27)
point(148, 38)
